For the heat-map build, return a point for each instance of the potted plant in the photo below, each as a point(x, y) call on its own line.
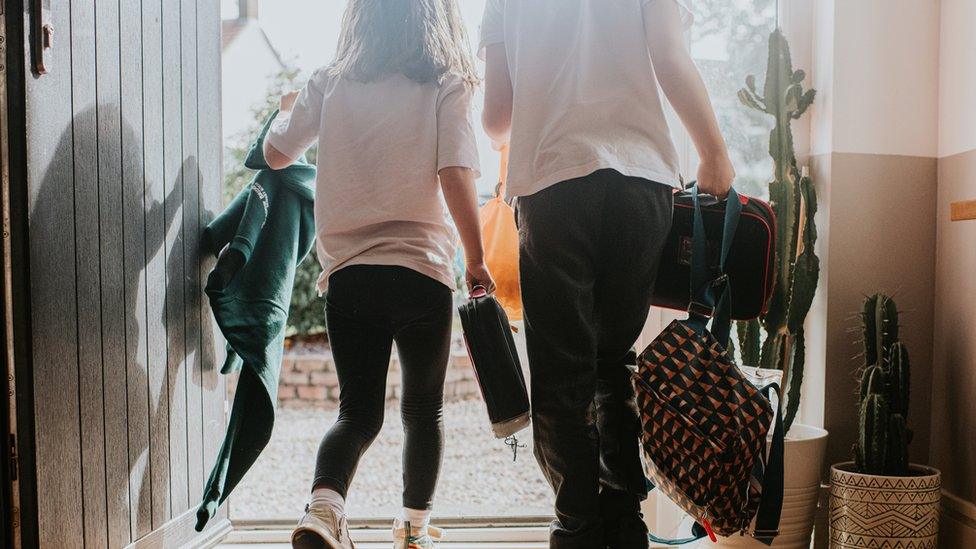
point(775, 342)
point(880, 499)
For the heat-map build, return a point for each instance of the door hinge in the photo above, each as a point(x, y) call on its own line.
point(14, 459)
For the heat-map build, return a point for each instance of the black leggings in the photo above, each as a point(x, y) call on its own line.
point(368, 307)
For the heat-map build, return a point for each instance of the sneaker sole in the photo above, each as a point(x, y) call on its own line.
point(309, 539)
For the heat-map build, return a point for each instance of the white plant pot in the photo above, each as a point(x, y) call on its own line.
point(884, 511)
point(805, 447)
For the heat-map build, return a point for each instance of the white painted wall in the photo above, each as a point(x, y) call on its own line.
point(957, 78)
point(822, 78)
point(885, 83)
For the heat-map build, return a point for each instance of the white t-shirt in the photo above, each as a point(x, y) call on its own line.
point(378, 199)
point(585, 94)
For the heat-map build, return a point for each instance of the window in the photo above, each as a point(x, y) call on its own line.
point(728, 41)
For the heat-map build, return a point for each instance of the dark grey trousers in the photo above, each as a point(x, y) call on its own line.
point(590, 249)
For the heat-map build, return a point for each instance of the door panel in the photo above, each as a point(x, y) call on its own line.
point(122, 171)
point(173, 175)
point(134, 268)
point(191, 249)
point(155, 270)
point(211, 176)
point(54, 306)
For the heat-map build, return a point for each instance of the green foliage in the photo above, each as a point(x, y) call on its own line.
point(307, 313)
point(729, 40)
point(794, 200)
point(883, 434)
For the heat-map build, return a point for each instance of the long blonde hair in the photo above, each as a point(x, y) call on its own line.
point(422, 39)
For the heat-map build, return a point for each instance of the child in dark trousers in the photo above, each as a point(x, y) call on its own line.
point(573, 87)
point(392, 119)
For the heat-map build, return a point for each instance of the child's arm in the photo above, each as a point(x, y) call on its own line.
point(297, 125)
point(276, 159)
point(497, 114)
point(460, 193)
point(683, 86)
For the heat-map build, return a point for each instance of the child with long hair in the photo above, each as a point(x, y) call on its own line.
point(391, 115)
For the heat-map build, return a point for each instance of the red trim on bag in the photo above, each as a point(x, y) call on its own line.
point(768, 282)
point(708, 529)
point(774, 232)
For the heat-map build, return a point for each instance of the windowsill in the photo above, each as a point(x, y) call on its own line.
point(466, 533)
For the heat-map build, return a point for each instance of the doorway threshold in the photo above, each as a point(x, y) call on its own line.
point(462, 533)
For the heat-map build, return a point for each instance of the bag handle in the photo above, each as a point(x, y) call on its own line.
point(703, 304)
point(771, 504)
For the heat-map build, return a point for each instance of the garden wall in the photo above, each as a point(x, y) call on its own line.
point(308, 379)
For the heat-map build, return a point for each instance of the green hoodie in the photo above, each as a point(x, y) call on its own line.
point(262, 236)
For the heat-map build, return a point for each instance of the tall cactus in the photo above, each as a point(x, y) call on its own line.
point(794, 200)
point(883, 434)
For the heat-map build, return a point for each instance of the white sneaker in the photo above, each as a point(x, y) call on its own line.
point(419, 538)
point(322, 528)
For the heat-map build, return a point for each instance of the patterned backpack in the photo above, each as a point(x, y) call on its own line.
point(704, 424)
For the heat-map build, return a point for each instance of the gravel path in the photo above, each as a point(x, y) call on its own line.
point(478, 477)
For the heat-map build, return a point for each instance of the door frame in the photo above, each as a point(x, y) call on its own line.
point(18, 480)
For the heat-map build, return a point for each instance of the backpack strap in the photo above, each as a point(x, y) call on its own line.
point(771, 505)
point(705, 281)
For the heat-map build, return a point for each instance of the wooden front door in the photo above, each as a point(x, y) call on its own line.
point(114, 169)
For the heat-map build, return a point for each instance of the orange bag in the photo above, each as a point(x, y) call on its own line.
point(502, 246)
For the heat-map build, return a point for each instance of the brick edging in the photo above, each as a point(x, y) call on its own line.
point(310, 380)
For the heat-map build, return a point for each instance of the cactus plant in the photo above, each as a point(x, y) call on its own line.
point(883, 434)
point(794, 201)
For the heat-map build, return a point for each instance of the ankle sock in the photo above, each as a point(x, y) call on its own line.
point(416, 517)
point(329, 498)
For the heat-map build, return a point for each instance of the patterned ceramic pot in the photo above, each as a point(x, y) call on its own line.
point(882, 511)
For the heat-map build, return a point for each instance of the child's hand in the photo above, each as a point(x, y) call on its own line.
point(476, 274)
point(715, 176)
point(288, 101)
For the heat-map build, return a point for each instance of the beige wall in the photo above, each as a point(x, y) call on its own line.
point(880, 215)
point(953, 448)
point(953, 444)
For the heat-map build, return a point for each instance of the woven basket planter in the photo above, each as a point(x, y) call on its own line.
point(882, 511)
